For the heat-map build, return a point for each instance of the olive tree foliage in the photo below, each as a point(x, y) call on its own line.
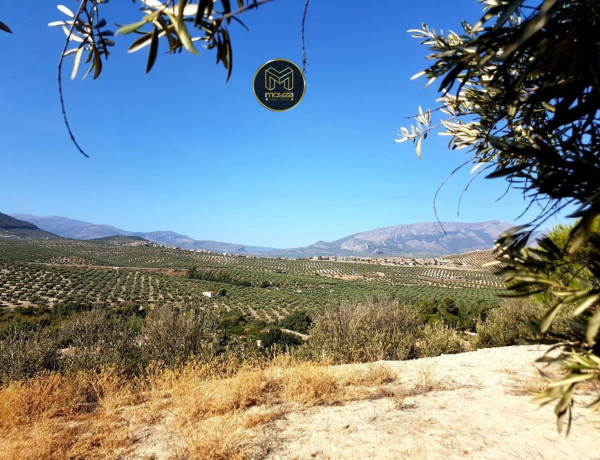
point(5, 28)
point(179, 25)
point(520, 91)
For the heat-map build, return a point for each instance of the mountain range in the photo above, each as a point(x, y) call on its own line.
point(419, 239)
point(11, 227)
point(424, 239)
point(80, 230)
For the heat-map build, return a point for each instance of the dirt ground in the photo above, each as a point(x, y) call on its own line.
point(470, 405)
point(475, 405)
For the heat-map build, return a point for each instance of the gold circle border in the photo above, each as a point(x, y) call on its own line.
point(303, 84)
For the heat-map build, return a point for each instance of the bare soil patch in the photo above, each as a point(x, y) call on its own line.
point(469, 405)
point(475, 405)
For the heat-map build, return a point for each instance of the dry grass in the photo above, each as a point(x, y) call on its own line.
point(530, 387)
point(52, 416)
point(427, 382)
point(264, 416)
point(216, 438)
point(215, 412)
point(209, 411)
point(307, 384)
point(588, 387)
point(374, 374)
point(195, 411)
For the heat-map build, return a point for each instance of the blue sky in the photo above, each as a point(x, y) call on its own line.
point(180, 149)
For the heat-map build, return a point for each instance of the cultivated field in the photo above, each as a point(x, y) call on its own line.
point(47, 273)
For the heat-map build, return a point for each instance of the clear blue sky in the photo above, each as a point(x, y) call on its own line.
point(179, 149)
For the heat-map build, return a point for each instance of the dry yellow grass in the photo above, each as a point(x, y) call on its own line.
point(217, 410)
point(263, 417)
point(53, 416)
point(218, 438)
point(210, 411)
point(427, 382)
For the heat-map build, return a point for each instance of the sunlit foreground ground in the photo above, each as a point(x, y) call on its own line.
point(471, 405)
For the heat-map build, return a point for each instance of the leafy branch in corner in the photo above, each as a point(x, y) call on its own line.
point(89, 35)
point(519, 90)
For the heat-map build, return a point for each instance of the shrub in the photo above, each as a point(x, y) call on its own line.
point(274, 336)
point(233, 323)
point(365, 332)
point(24, 353)
point(298, 321)
point(437, 339)
point(94, 340)
point(512, 323)
point(172, 334)
point(445, 311)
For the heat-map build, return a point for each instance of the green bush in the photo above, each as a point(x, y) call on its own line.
point(461, 315)
point(445, 311)
point(364, 332)
point(233, 323)
point(436, 339)
point(274, 336)
point(24, 353)
point(298, 321)
point(94, 339)
point(171, 334)
point(512, 323)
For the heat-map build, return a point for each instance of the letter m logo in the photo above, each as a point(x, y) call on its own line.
point(274, 77)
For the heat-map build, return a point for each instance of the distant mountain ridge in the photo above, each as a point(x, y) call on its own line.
point(424, 239)
point(11, 227)
point(420, 239)
point(81, 230)
point(427, 237)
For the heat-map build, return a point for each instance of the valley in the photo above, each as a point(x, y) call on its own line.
point(46, 273)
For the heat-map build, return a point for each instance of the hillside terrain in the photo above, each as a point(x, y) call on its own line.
point(468, 405)
point(80, 230)
point(475, 405)
point(424, 239)
point(11, 227)
point(118, 300)
point(51, 272)
point(121, 240)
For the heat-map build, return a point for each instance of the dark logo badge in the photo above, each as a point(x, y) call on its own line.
point(279, 85)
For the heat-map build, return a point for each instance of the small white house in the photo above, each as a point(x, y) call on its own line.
point(209, 294)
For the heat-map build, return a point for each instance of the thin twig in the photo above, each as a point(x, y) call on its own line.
point(432, 111)
point(440, 188)
point(303, 46)
point(60, 89)
point(467, 188)
point(508, 188)
point(245, 8)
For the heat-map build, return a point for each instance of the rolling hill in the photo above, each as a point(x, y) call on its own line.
point(11, 227)
point(425, 239)
point(81, 230)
